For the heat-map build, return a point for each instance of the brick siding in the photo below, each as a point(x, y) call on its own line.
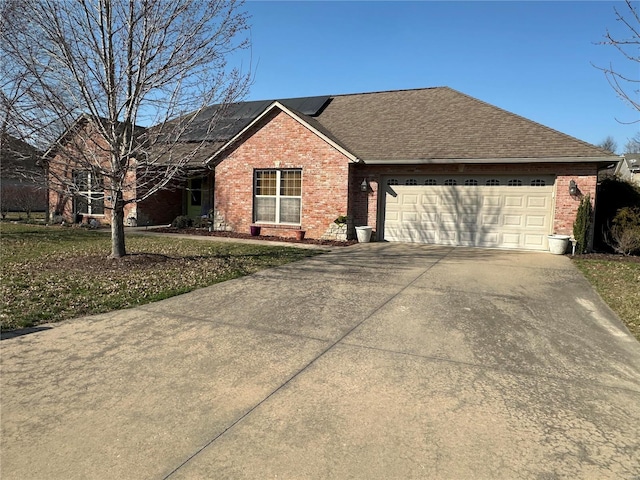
point(280, 142)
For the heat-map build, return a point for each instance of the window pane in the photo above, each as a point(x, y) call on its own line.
point(82, 204)
point(290, 210)
point(97, 183)
point(97, 204)
point(265, 182)
point(196, 192)
point(291, 183)
point(81, 180)
point(265, 209)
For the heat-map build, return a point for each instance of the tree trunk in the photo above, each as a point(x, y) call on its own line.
point(117, 227)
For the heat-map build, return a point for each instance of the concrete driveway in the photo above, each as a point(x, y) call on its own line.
point(384, 361)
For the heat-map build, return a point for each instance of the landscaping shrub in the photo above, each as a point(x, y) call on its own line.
point(613, 195)
point(582, 224)
point(624, 234)
point(182, 221)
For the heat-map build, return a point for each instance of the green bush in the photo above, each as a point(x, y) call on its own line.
point(582, 224)
point(182, 221)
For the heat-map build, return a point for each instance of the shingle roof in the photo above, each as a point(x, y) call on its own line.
point(441, 123)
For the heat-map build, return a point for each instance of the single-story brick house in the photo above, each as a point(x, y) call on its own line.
point(428, 165)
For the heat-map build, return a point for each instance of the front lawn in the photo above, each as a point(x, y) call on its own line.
point(56, 273)
point(618, 283)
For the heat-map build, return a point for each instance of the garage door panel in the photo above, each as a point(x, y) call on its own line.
point(513, 201)
point(428, 218)
point(429, 199)
point(470, 200)
point(448, 219)
point(408, 199)
point(538, 242)
point(537, 201)
point(392, 216)
point(490, 220)
point(536, 221)
point(468, 219)
point(511, 239)
point(491, 201)
point(498, 215)
point(513, 221)
point(409, 216)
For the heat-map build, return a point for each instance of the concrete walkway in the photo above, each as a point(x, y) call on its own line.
point(378, 361)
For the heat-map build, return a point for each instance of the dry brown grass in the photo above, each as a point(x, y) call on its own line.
point(56, 273)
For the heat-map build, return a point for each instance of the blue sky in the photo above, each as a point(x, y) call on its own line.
point(531, 58)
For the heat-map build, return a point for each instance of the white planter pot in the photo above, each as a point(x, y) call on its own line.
point(558, 244)
point(363, 234)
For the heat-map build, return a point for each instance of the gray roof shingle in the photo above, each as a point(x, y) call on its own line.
point(441, 123)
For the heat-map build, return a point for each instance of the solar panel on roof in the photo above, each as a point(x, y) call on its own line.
point(238, 115)
point(306, 105)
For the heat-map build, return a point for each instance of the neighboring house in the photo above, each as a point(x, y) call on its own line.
point(428, 165)
point(629, 168)
point(76, 190)
point(22, 179)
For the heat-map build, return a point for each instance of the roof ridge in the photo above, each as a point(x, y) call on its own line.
point(390, 91)
point(332, 95)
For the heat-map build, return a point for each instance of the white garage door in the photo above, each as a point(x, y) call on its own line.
point(479, 211)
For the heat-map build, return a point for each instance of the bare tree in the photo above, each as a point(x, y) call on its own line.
point(100, 69)
point(626, 86)
point(609, 144)
point(633, 144)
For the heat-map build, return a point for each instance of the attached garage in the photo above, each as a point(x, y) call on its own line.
point(469, 210)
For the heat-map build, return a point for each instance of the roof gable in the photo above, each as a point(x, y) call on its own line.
point(309, 123)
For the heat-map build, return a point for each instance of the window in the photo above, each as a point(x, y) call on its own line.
point(538, 183)
point(430, 181)
point(450, 181)
point(392, 181)
point(278, 196)
point(89, 198)
point(196, 192)
point(492, 182)
point(471, 182)
point(411, 181)
point(514, 183)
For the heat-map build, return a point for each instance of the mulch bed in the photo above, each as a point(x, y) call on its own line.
point(206, 233)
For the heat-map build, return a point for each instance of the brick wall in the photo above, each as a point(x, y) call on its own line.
point(281, 142)
point(88, 145)
point(364, 207)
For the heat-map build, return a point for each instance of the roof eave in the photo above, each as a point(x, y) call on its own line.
point(435, 161)
point(293, 115)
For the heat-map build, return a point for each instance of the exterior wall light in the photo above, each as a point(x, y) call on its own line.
point(573, 188)
point(364, 186)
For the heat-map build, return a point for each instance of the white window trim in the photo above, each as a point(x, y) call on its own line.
point(90, 195)
point(277, 196)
